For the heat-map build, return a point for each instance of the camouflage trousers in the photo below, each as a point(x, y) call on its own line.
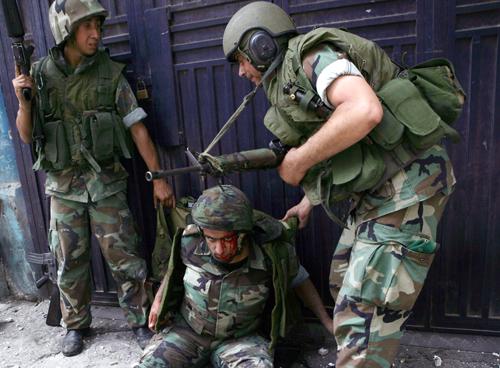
point(178, 346)
point(377, 272)
point(110, 220)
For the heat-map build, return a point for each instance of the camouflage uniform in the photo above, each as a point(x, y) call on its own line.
point(84, 199)
point(382, 258)
point(399, 175)
point(221, 310)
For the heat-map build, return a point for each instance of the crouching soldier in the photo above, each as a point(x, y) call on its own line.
point(223, 270)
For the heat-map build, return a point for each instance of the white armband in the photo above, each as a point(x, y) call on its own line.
point(135, 116)
point(330, 73)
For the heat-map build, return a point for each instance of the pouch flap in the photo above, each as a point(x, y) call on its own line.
point(372, 169)
point(346, 165)
point(389, 131)
point(406, 103)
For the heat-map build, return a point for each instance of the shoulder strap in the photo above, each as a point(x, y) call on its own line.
point(38, 118)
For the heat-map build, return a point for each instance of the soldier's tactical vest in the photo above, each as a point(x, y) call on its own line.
point(418, 104)
point(76, 122)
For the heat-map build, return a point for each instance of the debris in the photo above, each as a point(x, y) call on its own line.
point(437, 361)
point(7, 320)
point(322, 351)
point(331, 365)
point(496, 354)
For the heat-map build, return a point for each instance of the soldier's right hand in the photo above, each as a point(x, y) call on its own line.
point(19, 82)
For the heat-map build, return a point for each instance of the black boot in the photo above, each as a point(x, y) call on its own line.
point(73, 342)
point(143, 335)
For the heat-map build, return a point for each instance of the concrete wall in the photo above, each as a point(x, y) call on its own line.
point(14, 233)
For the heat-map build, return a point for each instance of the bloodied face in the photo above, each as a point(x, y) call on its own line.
point(223, 245)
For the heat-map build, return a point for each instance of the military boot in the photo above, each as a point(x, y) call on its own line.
point(143, 335)
point(73, 341)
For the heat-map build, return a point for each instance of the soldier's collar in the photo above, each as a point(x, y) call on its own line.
point(57, 55)
point(202, 248)
point(256, 258)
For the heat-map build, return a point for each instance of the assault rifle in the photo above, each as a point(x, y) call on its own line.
point(217, 166)
point(49, 267)
point(15, 30)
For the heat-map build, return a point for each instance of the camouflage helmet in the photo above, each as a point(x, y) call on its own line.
point(65, 14)
point(224, 208)
point(259, 15)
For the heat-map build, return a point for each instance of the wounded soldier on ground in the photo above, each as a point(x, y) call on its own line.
point(223, 271)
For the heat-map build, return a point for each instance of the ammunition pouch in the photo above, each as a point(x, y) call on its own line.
point(56, 147)
point(108, 136)
point(404, 105)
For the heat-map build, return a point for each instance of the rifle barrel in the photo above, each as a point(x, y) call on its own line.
point(152, 175)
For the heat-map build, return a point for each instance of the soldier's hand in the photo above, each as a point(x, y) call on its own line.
point(163, 193)
point(19, 82)
point(302, 210)
point(290, 169)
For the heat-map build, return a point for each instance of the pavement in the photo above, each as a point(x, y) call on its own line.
point(26, 341)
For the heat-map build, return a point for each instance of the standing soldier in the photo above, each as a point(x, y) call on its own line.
point(380, 147)
point(80, 124)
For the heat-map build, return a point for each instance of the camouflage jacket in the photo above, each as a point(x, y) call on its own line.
point(226, 304)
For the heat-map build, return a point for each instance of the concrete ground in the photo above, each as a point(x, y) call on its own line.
point(25, 341)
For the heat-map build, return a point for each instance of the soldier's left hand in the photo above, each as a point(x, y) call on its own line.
point(290, 169)
point(163, 193)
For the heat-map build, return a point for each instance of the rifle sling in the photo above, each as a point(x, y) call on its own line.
point(243, 104)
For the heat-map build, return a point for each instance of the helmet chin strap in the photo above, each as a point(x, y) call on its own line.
point(277, 61)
